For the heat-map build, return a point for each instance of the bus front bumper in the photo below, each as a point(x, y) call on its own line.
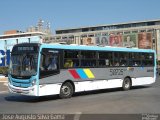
point(32, 91)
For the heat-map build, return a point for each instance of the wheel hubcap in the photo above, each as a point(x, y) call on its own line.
point(127, 84)
point(66, 90)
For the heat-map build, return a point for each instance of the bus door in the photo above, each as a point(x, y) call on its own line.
point(49, 62)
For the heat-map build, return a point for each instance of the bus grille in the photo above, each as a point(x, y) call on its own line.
point(23, 85)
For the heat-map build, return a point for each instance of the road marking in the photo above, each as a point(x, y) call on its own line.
point(3, 92)
point(77, 115)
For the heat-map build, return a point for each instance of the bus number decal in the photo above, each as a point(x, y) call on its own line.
point(114, 72)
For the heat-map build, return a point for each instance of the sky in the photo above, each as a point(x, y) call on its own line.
point(21, 14)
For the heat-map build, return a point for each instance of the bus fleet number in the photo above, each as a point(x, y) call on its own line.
point(114, 72)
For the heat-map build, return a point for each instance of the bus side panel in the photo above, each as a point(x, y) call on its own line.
point(91, 74)
point(142, 81)
point(49, 89)
point(99, 84)
point(96, 78)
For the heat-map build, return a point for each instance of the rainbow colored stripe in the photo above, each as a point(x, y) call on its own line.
point(81, 73)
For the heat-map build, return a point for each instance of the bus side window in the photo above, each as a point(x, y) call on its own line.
point(88, 59)
point(71, 58)
point(68, 63)
point(123, 56)
point(147, 59)
point(105, 59)
point(116, 59)
point(52, 63)
point(49, 63)
point(135, 59)
point(116, 63)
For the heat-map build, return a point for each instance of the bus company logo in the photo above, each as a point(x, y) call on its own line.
point(81, 73)
point(130, 68)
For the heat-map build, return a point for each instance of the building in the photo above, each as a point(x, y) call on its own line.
point(7, 42)
point(140, 34)
point(34, 34)
point(40, 27)
point(9, 32)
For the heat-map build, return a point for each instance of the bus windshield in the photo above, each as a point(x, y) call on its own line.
point(23, 64)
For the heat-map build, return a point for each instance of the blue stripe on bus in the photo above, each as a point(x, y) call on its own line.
point(20, 81)
point(21, 85)
point(26, 85)
point(81, 73)
point(79, 47)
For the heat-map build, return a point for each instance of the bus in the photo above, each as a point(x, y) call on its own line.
point(56, 69)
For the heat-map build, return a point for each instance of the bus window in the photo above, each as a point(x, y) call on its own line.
point(49, 63)
point(134, 59)
point(147, 59)
point(105, 59)
point(71, 59)
point(123, 57)
point(116, 59)
point(88, 63)
point(88, 59)
point(68, 63)
point(71, 54)
point(88, 54)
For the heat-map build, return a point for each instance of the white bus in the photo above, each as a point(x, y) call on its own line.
point(43, 69)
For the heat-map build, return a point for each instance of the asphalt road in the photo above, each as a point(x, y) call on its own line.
point(114, 101)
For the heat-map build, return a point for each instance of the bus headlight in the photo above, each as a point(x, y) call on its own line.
point(33, 82)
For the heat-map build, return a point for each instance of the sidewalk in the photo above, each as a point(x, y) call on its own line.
point(3, 79)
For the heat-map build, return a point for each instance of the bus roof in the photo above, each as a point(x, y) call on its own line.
point(98, 48)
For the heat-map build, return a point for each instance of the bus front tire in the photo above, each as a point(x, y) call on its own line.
point(126, 84)
point(66, 90)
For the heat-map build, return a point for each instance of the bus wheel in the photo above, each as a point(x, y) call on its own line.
point(126, 84)
point(66, 90)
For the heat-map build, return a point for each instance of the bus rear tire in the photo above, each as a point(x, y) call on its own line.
point(126, 84)
point(66, 90)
